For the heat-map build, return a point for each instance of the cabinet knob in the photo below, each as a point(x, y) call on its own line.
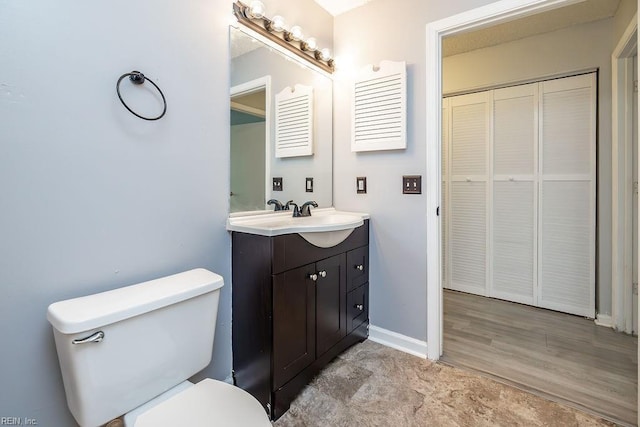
point(322, 273)
point(359, 307)
point(313, 277)
point(359, 267)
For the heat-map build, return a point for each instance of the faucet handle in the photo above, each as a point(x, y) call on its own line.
point(287, 206)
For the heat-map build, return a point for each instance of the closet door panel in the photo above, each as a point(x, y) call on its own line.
point(513, 218)
point(513, 241)
point(567, 195)
point(515, 130)
point(468, 192)
point(469, 135)
point(568, 131)
point(566, 248)
point(468, 237)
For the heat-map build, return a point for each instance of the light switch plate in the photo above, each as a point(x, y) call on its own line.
point(361, 185)
point(308, 186)
point(412, 184)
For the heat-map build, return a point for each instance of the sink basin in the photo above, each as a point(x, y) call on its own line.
point(324, 228)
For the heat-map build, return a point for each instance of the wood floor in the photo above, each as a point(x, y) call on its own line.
point(561, 356)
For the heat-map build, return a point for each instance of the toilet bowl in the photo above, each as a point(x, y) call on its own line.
point(130, 351)
point(205, 404)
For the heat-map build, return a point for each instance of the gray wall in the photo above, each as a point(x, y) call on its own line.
point(577, 48)
point(368, 35)
point(93, 198)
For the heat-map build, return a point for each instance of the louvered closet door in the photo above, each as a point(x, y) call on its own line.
point(567, 195)
point(444, 208)
point(469, 159)
point(513, 219)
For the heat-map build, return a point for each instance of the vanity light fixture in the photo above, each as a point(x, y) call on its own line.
point(253, 16)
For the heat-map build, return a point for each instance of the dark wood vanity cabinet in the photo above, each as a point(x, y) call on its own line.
point(295, 307)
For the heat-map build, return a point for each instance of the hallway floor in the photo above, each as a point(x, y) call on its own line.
point(374, 385)
point(559, 356)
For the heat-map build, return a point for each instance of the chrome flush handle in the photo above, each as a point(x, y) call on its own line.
point(97, 337)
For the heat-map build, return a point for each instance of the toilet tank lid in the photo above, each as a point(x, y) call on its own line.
point(94, 311)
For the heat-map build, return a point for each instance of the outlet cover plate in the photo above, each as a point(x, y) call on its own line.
point(412, 184)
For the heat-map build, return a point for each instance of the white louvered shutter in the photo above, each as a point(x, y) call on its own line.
point(469, 148)
point(379, 108)
point(567, 195)
point(294, 122)
point(513, 231)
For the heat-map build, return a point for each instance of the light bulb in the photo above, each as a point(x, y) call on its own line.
point(311, 44)
point(324, 54)
point(255, 10)
point(295, 33)
point(277, 24)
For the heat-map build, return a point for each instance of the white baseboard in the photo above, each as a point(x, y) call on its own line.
point(398, 341)
point(604, 320)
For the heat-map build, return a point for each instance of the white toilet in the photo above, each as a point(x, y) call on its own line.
point(129, 352)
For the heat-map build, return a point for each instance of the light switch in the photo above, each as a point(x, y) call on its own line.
point(309, 185)
point(412, 184)
point(361, 185)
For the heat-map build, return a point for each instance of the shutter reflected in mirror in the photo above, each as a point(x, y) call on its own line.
point(379, 110)
point(294, 122)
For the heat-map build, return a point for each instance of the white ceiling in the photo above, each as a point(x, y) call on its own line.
point(337, 7)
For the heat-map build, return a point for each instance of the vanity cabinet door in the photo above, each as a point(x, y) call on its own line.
point(294, 323)
point(357, 267)
point(331, 302)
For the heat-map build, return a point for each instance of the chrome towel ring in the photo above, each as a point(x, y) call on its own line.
point(138, 78)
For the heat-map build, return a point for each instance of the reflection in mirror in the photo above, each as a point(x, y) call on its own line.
point(248, 146)
point(258, 72)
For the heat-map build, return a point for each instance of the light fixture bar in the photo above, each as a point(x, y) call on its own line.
point(261, 25)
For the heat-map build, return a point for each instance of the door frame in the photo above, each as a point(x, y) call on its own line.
point(622, 179)
point(485, 16)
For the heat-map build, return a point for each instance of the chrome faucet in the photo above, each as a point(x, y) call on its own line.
point(305, 209)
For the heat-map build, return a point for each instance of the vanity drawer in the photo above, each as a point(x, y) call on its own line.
point(357, 267)
point(357, 307)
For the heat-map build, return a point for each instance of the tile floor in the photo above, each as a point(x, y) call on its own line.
point(373, 385)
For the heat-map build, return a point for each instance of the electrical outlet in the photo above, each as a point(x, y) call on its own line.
point(361, 185)
point(308, 186)
point(277, 184)
point(412, 184)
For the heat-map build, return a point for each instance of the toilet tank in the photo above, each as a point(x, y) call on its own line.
point(154, 334)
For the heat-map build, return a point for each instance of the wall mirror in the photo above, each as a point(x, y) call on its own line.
point(258, 73)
